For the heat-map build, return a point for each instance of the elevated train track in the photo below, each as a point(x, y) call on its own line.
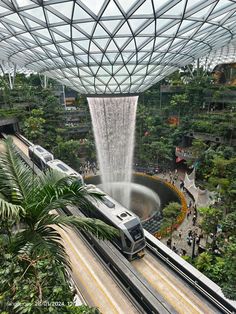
point(161, 282)
point(94, 280)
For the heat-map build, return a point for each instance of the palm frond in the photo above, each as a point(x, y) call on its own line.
point(10, 211)
point(52, 177)
point(95, 226)
point(43, 241)
point(16, 178)
point(55, 196)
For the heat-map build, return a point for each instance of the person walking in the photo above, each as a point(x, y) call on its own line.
point(194, 219)
point(180, 233)
point(174, 248)
point(168, 242)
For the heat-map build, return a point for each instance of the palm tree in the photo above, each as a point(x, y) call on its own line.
point(30, 200)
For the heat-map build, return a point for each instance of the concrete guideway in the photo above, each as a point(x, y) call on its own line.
point(97, 287)
point(22, 146)
point(171, 287)
point(18, 143)
point(2, 148)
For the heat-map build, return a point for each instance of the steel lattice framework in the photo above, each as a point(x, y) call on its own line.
point(11, 68)
point(112, 46)
point(226, 54)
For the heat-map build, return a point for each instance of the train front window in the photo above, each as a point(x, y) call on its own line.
point(136, 233)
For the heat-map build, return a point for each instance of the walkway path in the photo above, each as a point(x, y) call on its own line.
point(180, 236)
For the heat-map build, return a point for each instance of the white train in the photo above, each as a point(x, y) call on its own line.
point(131, 241)
point(45, 160)
point(40, 156)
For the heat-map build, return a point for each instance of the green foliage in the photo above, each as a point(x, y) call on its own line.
point(198, 147)
point(30, 286)
point(172, 210)
point(153, 144)
point(228, 224)
point(34, 125)
point(71, 146)
point(213, 267)
point(12, 113)
point(204, 262)
point(210, 219)
point(187, 258)
point(89, 145)
point(221, 269)
point(179, 104)
point(229, 284)
point(53, 114)
point(202, 126)
point(221, 166)
point(25, 90)
point(33, 264)
point(170, 213)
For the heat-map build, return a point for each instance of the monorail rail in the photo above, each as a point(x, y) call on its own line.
point(150, 301)
point(206, 287)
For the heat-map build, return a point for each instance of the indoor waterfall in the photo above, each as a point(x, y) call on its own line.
point(113, 120)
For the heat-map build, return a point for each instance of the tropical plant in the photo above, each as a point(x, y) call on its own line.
point(33, 285)
point(228, 224)
point(62, 149)
point(178, 104)
point(212, 266)
point(54, 115)
point(31, 201)
point(229, 284)
point(204, 261)
point(33, 125)
point(198, 148)
point(170, 214)
point(210, 218)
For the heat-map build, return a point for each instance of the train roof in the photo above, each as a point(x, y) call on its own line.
point(62, 167)
point(114, 211)
point(41, 152)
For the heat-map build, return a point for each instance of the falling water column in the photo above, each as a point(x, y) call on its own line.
point(113, 120)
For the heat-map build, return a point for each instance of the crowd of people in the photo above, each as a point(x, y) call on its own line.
point(188, 234)
point(88, 167)
point(171, 177)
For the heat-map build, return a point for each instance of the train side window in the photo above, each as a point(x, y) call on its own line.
point(62, 167)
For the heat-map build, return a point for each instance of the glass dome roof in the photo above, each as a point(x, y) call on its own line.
point(226, 54)
point(112, 46)
point(11, 68)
